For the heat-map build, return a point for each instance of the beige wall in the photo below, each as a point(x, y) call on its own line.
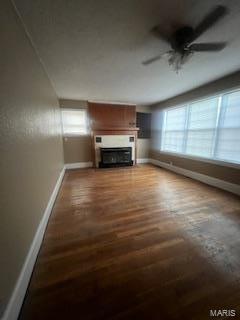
point(143, 145)
point(78, 149)
point(214, 170)
point(74, 104)
point(143, 148)
point(209, 169)
point(30, 146)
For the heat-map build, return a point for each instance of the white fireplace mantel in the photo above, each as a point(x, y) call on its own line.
point(114, 141)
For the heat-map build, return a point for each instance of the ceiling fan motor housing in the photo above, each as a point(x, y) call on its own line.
point(181, 38)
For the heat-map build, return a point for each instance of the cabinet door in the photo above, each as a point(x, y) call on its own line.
point(130, 116)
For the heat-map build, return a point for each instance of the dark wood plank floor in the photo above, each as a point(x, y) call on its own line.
point(137, 243)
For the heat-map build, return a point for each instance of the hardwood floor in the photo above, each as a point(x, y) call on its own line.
point(137, 243)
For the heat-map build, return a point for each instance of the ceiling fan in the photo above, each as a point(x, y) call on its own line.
point(181, 41)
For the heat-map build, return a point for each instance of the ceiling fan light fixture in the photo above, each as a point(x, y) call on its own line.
point(178, 59)
point(175, 60)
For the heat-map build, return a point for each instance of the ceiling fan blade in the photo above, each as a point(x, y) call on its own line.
point(151, 60)
point(213, 17)
point(211, 46)
point(158, 32)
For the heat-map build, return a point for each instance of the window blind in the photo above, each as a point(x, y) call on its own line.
point(174, 125)
point(201, 127)
point(74, 122)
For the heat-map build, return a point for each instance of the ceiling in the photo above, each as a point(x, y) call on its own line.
point(94, 49)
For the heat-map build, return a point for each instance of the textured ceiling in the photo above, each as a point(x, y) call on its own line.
point(94, 49)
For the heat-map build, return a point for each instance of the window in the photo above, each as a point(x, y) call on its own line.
point(209, 128)
point(74, 122)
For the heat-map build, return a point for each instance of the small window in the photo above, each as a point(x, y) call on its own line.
point(74, 122)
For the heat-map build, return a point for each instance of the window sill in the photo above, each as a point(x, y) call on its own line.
point(197, 158)
point(79, 135)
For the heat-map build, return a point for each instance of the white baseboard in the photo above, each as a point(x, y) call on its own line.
point(78, 165)
point(143, 160)
point(14, 305)
point(228, 186)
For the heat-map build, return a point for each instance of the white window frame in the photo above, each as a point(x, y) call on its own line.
point(69, 135)
point(212, 160)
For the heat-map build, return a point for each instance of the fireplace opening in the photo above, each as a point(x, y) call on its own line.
point(115, 157)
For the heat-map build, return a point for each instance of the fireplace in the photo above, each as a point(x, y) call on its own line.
point(115, 157)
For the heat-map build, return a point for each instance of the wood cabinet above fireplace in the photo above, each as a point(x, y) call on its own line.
point(105, 116)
